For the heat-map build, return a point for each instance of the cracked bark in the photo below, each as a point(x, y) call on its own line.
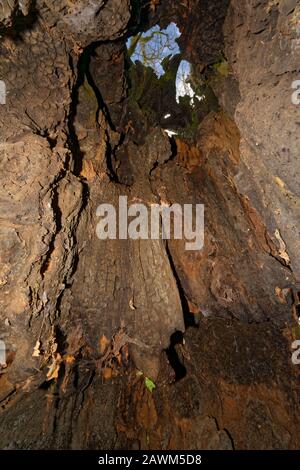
point(70, 139)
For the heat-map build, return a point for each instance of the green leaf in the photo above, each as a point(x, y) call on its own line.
point(149, 384)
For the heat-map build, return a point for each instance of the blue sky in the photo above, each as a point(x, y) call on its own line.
point(161, 45)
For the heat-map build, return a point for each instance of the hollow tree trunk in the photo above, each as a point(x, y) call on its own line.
point(85, 321)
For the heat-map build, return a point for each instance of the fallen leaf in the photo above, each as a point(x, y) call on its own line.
point(279, 182)
point(36, 349)
point(54, 368)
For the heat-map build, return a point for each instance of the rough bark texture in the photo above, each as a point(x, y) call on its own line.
point(81, 317)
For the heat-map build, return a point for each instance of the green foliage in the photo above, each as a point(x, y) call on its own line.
point(149, 384)
point(170, 67)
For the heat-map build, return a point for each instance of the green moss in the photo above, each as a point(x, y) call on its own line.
point(297, 331)
point(221, 67)
point(149, 384)
point(151, 97)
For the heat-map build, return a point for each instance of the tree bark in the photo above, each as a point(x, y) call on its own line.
point(86, 321)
